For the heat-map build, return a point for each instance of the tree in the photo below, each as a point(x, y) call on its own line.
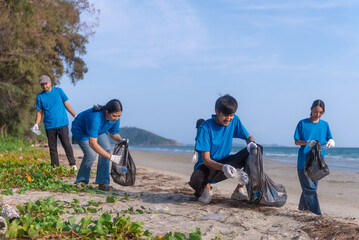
point(38, 37)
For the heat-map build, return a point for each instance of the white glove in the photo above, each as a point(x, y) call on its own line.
point(116, 159)
point(311, 143)
point(330, 144)
point(229, 171)
point(251, 145)
point(35, 129)
point(194, 158)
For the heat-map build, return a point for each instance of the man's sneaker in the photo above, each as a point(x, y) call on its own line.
point(74, 167)
point(205, 197)
point(240, 195)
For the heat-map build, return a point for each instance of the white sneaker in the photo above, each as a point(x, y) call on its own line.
point(205, 197)
point(74, 167)
point(240, 195)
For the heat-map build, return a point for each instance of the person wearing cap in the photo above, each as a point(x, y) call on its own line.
point(52, 104)
point(214, 144)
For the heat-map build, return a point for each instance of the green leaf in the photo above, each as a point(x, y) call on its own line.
point(111, 199)
point(85, 221)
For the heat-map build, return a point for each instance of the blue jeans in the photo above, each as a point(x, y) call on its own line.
point(309, 198)
point(103, 165)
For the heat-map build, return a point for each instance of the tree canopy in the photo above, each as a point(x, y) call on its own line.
point(36, 38)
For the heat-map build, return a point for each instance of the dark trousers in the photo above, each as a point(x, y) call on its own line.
point(63, 134)
point(204, 175)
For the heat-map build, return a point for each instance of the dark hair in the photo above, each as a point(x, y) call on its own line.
point(199, 121)
point(112, 106)
point(318, 103)
point(226, 104)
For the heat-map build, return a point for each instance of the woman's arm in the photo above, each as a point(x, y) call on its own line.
point(97, 148)
point(116, 137)
point(300, 142)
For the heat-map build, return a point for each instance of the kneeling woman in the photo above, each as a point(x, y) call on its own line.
point(91, 129)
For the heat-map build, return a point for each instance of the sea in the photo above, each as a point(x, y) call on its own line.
point(346, 159)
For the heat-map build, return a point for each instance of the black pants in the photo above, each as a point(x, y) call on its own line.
point(63, 133)
point(204, 175)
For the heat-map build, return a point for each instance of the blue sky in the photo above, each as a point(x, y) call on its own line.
point(168, 61)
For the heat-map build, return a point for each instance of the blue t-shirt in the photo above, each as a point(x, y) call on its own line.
point(92, 124)
point(217, 140)
point(52, 104)
point(308, 130)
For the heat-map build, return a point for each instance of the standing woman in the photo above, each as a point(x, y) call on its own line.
point(90, 130)
point(309, 131)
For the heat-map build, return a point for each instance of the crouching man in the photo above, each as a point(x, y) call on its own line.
point(214, 144)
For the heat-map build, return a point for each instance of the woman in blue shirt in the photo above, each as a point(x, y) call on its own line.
point(309, 131)
point(91, 130)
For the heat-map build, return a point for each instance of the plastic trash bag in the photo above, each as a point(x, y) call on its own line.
point(315, 166)
point(119, 176)
point(242, 177)
point(260, 188)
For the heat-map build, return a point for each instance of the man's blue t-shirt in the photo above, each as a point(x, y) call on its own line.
point(308, 130)
point(217, 140)
point(52, 104)
point(92, 124)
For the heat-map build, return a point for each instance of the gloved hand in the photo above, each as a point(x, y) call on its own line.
point(311, 143)
point(116, 159)
point(251, 145)
point(194, 158)
point(330, 144)
point(124, 139)
point(229, 171)
point(35, 129)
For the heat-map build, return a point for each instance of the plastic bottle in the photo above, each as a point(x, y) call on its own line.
point(242, 177)
point(121, 169)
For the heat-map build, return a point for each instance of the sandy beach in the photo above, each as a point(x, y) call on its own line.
point(161, 188)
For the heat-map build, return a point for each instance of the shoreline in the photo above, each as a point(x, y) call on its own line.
point(338, 192)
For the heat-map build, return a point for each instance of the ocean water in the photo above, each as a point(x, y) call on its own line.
point(346, 159)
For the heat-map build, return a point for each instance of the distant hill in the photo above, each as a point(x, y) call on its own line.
point(139, 136)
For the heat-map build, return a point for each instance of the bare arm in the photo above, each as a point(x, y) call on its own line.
point(69, 108)
point(97, 148)
point(116, 137)
point(38, 117)
point(250, 139)
point(300, 142)
point(206, 158)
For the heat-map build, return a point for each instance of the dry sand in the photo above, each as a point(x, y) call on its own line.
point(161, 188)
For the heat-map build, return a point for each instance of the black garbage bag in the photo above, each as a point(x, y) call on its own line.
point(315, 166)
point(127, 178)
point(260, 188)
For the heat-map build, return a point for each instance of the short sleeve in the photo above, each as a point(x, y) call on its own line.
point(93, 125)
point(240, 131)
point(329, 134)
point(115, 129)
point(203, 140)
point(297, 132)
point(38, 103)
point(63, 95)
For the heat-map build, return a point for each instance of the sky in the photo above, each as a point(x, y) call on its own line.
point(168, 61)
